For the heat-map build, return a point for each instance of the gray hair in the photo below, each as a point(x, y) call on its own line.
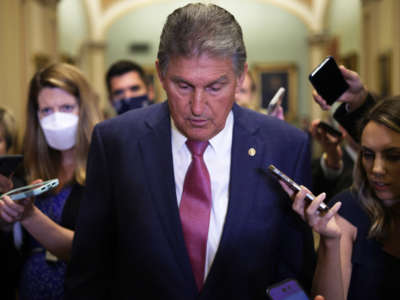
point(199, 28)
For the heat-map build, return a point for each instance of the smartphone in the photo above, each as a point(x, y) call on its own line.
point(288, 289)
point(31, 190)
point(275, 99)
point(330, 129)
point(294, 186)
point(9, 163)
point(328, 81)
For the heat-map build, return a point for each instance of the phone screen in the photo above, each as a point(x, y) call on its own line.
point(287, 290)
point(328, 80)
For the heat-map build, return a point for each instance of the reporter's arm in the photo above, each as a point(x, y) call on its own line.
point(52, 236)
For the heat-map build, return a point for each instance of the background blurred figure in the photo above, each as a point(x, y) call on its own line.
point(8, 132)
point(333, 171)
point(246, 96)
point(62, 110)
point(8, 143)
point(128, 86)
point(10, 256)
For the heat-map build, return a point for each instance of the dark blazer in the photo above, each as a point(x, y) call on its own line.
point(129, 243)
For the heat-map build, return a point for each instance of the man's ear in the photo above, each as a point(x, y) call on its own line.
point(159, 73)
point(241, 77)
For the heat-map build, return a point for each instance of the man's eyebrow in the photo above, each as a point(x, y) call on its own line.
point(178, 79)
point(222, 79)
point(117, 91)
point(363, 147)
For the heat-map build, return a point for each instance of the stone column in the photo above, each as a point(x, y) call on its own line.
point(318, 47)
point(92, 54)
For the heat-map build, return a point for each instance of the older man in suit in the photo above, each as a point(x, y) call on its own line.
point(180, 204)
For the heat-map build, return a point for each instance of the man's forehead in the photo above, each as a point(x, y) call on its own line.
point(126, 79)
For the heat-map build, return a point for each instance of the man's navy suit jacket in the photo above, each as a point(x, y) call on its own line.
point(129, 243)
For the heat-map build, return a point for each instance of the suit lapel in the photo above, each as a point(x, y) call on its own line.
point(246, 159)
point(157, 156)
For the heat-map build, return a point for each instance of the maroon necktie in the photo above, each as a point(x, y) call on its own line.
point(195, 209)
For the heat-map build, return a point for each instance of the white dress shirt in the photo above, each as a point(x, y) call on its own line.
point(217, 158)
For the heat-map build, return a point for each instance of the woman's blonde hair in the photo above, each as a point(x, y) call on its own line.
point(387, 113)
point(41, 161)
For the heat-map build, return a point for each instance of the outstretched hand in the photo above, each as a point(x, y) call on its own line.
point(14, 211)
point(354, 96)
point(330, 144)
point(323, 223)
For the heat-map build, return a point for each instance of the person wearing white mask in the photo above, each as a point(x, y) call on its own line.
point(62, 110)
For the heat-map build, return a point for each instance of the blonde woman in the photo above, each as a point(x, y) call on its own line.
point(62, 110)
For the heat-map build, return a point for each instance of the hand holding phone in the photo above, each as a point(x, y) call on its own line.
point(31, 190)
point(294, 186)
point(328, 81)
point(330, 129)
point(276, 100)
point(288, 289)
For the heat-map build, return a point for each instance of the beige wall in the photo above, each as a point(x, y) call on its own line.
point(12, 66)
point(380, 37)
point(28, 29)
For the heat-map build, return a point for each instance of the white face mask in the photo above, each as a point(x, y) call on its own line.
point(60, 130)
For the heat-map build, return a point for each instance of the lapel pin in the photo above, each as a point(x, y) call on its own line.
point(252, 151)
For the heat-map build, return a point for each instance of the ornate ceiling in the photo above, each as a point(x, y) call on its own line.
point(106, 4)
point(103, 13)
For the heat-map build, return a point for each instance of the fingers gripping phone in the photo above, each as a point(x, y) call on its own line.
point(288, 289)
point(31, 190)
point(330, 129)
point(294, 186)
point(328, 80)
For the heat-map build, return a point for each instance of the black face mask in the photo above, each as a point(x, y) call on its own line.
point(124, 105)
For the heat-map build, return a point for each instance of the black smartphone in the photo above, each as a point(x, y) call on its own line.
point(9, 163)
point(328, 81)
point(288, 289)
point(294, 186)
point(330, 129)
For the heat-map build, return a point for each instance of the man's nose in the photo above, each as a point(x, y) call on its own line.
point(198, 102)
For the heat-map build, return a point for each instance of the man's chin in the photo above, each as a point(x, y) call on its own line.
point(199, 134)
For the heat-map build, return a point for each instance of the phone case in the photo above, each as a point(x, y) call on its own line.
point(9, 163)
point(294, 186)
point(288, 289)
point(31, 190)
point(328, 80)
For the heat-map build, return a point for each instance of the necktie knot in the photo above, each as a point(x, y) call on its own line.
point(197, 148)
